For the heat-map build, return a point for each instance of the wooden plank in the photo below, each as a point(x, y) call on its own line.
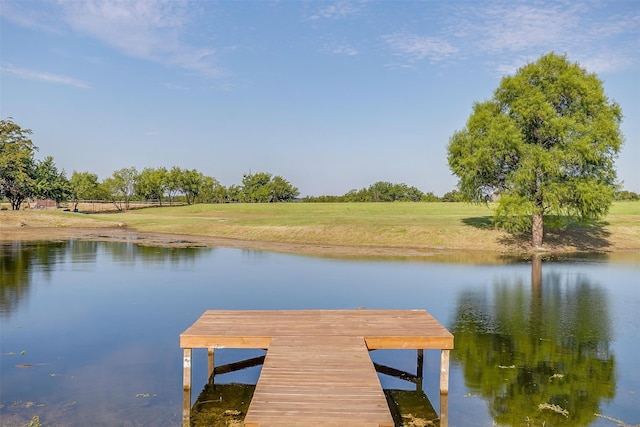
point(318, 380)
point(253, 328)
point(409, 342)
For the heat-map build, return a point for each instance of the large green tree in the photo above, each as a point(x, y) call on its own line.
point(85, 186)
point(174, 178)
point(545, 144)
point(256, 187)
point(121, 187)
point(17, 164)
point(262, 187)
point(50, 183)
point(212, 191)
point(282, 190)
point(152, 183)
point(191, 184)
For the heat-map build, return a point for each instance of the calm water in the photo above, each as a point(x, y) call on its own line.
point(89, 331)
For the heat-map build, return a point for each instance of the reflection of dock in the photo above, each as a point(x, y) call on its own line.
point(317, 370)
point(413, 408)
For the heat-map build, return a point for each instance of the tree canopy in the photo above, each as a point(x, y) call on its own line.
point(381, 191)
point(545, 144)
point(152, 183)
point(121, 187)
point(17, 164)
point(85, 186)
point(51, 183)
point(261, 187)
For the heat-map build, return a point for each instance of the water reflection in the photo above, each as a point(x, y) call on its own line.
point(89, 330)
point(18, 263)
point(223, 405)
point(537, 352)
point(21, 261)
point(413, 408)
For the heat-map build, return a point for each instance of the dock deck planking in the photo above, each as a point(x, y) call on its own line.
point(301, 382)
point(317, 370)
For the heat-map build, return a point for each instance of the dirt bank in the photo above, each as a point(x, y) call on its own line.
point(121, 234)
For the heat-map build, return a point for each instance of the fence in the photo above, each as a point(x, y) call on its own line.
point(94, 206)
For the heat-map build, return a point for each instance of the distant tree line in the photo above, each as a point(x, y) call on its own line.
point(22, 178)
point(180, 185)
point(380, 191)
point(624, 195)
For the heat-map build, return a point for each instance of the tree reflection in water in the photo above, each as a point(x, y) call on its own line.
point(538, 354)
point(226, 405)
point(19, 261)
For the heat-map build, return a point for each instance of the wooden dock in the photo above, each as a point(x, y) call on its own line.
point(317, 371)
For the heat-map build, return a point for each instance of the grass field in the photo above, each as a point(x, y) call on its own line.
point(397, 226)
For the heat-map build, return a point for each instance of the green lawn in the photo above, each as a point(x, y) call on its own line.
point(411, 226)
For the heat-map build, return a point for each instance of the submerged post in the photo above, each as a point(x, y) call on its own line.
point(186, 388)
point(420, 369)
point(211, 364)
point(444, 409)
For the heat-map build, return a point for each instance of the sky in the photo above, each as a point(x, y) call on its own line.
point(330, 95)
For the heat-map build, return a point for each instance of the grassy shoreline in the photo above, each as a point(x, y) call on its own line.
point(399, 229)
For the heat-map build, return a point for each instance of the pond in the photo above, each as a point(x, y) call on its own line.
point(89, 331)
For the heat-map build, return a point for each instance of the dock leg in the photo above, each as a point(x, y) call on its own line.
point(186, 388)
point(211, 364)
point(420, 369)
point(444, 409)
point(444, 372)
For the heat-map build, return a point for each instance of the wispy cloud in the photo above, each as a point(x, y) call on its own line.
point(345, 50)
point(414, 48)
point(342, 49)
point(39, 15)
point(337, 10)
point(516, 27)
point(172, 86)
point(509, 34)
point(43, 76)
point(153, 30)
point(150, 30)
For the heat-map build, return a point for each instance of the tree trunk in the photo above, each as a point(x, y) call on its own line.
point(536, 273)
point(15, 203)
point(537, 230)
point(535, 310)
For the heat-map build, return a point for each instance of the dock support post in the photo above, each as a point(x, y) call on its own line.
point(444, 372)
point(420, 369)
point(186, 388)
point(444, 409)
point(211, 364)
point(444, 388)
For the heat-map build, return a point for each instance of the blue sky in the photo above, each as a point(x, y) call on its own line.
point(330, 95)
